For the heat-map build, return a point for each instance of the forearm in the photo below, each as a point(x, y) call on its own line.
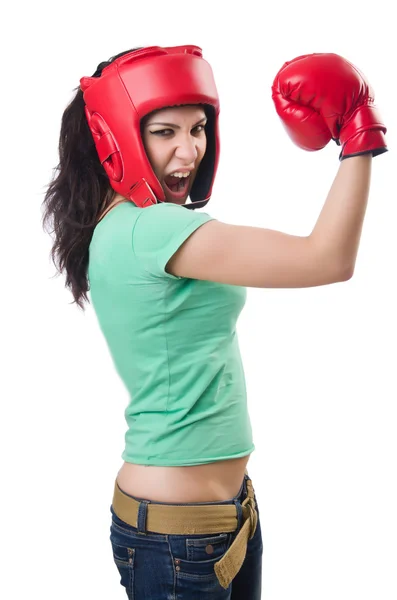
point(337, 231)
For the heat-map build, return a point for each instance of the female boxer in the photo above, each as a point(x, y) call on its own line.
point(139, 138)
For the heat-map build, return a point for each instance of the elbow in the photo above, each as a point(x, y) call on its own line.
point(346, 273)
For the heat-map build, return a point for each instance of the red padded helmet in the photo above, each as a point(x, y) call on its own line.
point(130, 88)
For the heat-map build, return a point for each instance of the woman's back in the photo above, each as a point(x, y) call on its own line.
point(173, 341)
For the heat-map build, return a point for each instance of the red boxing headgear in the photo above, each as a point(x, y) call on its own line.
point(130, 88)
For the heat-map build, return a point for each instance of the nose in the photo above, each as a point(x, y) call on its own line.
point(187, 150)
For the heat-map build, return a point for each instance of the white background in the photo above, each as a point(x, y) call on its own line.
point(320, 363)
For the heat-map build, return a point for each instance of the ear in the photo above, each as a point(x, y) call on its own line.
point(106, 146)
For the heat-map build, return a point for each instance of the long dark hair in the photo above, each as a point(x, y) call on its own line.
point(78, 192)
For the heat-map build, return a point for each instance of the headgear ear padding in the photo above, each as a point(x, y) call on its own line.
point(132, 87)
point(108, 153)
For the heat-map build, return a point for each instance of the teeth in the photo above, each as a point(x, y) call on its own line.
point(180, 174)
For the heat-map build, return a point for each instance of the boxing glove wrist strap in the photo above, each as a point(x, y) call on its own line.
point(363, 133)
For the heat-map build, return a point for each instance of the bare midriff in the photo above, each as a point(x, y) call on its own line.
point(211, 482)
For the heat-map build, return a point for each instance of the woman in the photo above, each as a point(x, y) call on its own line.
point(167, 285)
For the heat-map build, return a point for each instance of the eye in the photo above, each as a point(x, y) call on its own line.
point(163, 132)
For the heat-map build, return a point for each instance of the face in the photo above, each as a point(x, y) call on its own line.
point(175, 140)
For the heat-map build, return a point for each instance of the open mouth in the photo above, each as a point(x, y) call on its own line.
point(178, 189)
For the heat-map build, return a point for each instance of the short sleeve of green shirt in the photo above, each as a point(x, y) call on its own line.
point(158, 233)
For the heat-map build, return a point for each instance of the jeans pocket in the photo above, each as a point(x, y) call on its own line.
point(201, 555)
point(124, 558)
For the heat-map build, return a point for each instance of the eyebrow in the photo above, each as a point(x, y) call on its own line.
point(173, 124)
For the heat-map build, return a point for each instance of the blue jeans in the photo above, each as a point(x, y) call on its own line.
point(146, 563)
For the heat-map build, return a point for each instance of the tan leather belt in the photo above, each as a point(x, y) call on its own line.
point(196, 519)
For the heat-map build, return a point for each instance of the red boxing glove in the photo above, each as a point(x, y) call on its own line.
point(320, 97)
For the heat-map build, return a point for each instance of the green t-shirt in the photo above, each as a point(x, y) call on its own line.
point(173, 340)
